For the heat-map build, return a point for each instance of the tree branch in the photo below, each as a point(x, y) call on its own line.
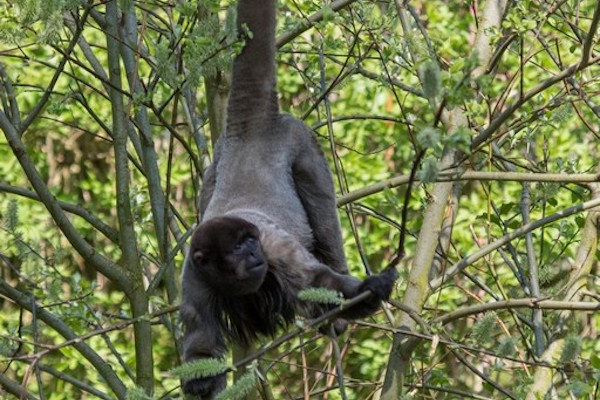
point(42, 102)
point(532, 303)
point(453, 175)
point(103, 368)
point(97, 260)
point(500, 119)
point(587, 46)
point(309, 22)
point(94, 221)
point(485, 250)
point(127, 236)
point(14, 388)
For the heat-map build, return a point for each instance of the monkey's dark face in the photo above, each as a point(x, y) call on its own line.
point(226, 252)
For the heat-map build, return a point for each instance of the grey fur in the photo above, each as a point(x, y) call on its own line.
point(268, 175)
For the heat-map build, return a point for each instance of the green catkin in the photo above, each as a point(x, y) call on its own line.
point(571, 349)
point(484, 328)
point(240, 389)
point(430, 79)
point(320, 295)
point(506, 346)
point(201, 368)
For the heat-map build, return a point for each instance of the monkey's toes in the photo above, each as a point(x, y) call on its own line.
point(205, 387)
point(381, 285)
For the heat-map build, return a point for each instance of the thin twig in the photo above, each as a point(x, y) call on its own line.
point(587, 46)
point(309, 22)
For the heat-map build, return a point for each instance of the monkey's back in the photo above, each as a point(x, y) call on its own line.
point(254, 171)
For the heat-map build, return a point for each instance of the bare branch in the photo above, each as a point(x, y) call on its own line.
point(452, 175)
point(532, 303)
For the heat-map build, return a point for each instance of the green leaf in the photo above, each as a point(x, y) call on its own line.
point(579, 388)
point(506, 208)
point(514, 224)
point(460, 140)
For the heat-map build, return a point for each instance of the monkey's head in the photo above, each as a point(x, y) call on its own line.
point(227, 255)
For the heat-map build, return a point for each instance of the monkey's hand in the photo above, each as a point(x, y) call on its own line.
point(381, 286)
point(207, 387)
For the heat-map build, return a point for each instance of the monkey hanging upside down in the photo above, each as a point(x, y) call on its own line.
point(269, 219)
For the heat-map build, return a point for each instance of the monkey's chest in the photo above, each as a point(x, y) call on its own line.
point(247, 317)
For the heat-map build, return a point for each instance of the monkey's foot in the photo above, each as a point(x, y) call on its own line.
point(206, 388)
point(381, 286)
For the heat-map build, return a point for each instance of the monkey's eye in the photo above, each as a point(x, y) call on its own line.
point(245, 242)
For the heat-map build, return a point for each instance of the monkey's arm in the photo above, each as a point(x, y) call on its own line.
point(202, 337)
point(380, 285)
point(292, 262)
point(314, 186)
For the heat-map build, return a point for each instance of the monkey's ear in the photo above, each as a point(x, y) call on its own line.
point(198, 256)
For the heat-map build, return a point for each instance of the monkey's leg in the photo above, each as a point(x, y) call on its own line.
point(314, 186)
point(202, 338)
